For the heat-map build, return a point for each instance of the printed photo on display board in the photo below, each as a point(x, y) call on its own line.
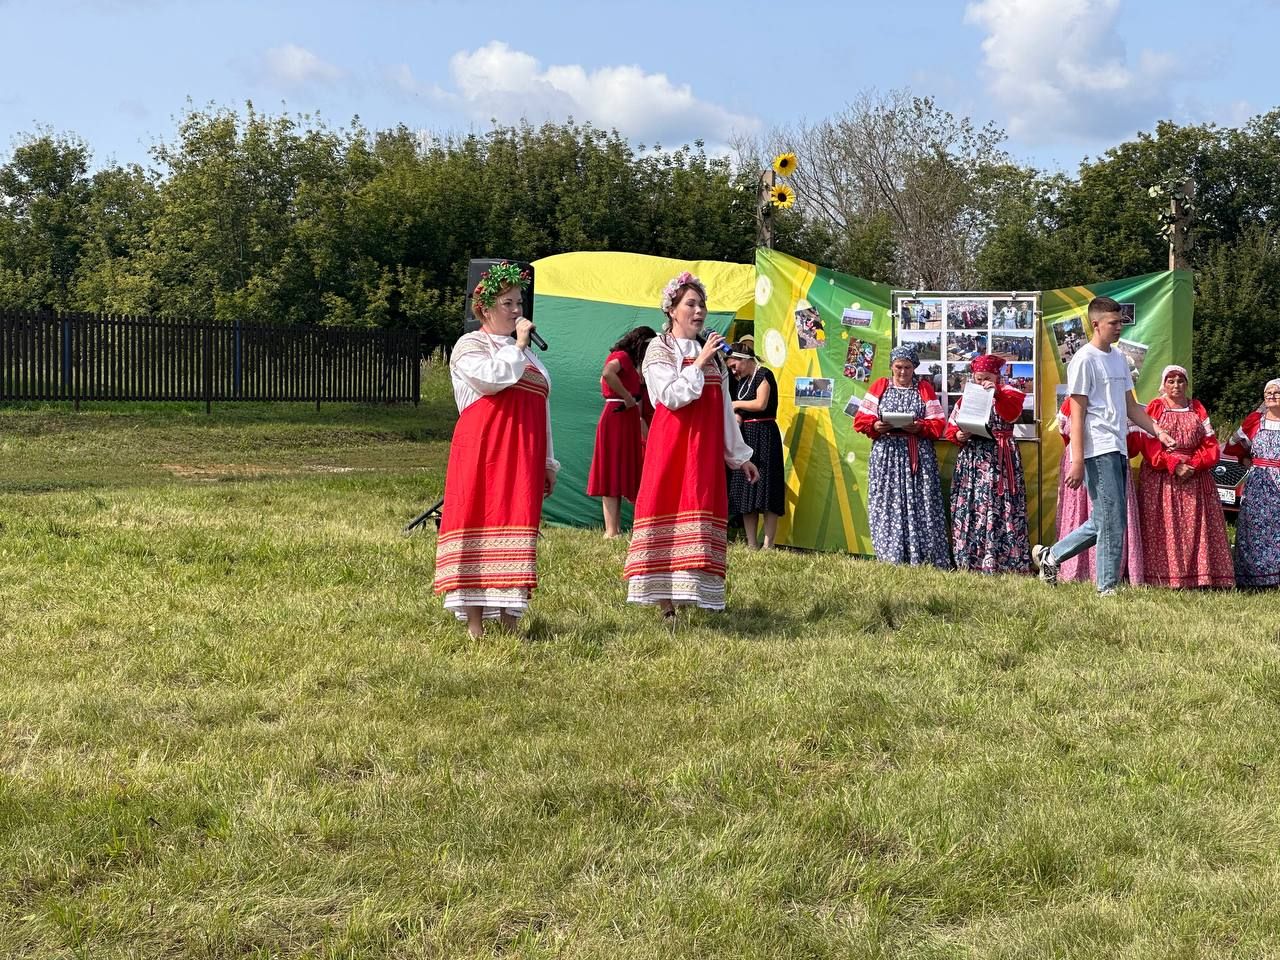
point(920, 314)
point(1013, 314)
point(1016, 347)
point(958, 374)
point(1068, 337)
point(1022, 376)
point(927, 342)
point(964, 314)
point(859, 359)
point(809, 331)
point(1135, 353)
point(851, 407)
point(814, 391)
point(933, 373)
point(964, 346)
point(853, 317)
point(1130, 313)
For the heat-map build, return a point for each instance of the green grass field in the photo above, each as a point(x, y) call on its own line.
point(236, 723)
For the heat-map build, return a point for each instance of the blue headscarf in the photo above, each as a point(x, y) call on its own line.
point(905, 352)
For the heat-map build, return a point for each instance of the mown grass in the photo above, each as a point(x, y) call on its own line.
point(236, 723)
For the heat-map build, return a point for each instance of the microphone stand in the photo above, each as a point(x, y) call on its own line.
point(433, 512)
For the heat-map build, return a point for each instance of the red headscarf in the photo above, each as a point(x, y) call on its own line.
point(988, 363)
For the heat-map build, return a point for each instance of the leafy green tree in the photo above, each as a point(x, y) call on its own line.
point(45, 192)
point(1237, 331)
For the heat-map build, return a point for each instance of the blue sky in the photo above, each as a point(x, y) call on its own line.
point(1066, 78)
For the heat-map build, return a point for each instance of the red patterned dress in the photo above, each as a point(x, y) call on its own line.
point(619, 451)
point(486, 554)
point(1184, 535)
point(678, 541)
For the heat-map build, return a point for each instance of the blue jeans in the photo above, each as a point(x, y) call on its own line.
point(1105, 477)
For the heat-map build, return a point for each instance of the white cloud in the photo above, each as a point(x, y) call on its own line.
point(1061, 69)
point(295, 66)
point(498, 82)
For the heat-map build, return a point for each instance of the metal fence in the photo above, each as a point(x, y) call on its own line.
point(45, 356)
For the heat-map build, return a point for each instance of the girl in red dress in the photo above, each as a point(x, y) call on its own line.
point(1184, 535)
point(501, 461)
point(677, 551)
point(619, 450)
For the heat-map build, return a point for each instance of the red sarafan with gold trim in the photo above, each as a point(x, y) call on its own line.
point(493, 490)
point(683, 505)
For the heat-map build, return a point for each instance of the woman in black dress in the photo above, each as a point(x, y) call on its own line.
point(755, 401)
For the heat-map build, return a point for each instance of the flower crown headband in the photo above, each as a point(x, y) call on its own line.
point(497, 278)
point(671, 289)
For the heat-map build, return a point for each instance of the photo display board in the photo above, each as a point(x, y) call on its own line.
point(950, 329)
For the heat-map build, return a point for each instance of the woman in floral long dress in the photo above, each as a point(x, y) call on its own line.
point(1257, 444)
point(988, 493)
point(1184, 535)
point(904, 488)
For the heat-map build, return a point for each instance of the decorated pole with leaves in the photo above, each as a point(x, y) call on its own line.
point(772, 194)
point(1176, 223)
point(764, 209)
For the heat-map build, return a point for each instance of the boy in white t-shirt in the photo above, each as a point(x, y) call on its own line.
point(1102, 399)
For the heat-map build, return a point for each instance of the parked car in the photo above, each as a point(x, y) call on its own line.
point(1229, 475)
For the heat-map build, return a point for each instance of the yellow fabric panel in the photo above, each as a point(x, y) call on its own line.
point(637, 280)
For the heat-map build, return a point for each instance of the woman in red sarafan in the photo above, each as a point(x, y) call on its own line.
point(501, 461)
point(619, 449)
point(677, 550)
point(1184, 535)
point(988, 492)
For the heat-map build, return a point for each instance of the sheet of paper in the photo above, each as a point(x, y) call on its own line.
point(897, 419)
point(975, 408)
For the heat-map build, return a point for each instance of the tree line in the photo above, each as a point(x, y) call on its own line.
point(287, 220)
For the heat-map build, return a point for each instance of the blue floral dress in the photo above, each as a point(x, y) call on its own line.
point(904, 503)
point(989, 503)
point(1258, 525)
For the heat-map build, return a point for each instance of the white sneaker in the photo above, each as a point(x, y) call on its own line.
point(1045, 565)
point(1109, 592)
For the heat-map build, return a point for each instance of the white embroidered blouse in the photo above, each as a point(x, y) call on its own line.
point(483, 364)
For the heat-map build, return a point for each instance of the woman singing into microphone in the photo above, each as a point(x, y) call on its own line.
point(501, 460)
point(677, 552)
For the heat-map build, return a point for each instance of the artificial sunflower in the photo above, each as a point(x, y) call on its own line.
point(782, 196)
point(784, 164)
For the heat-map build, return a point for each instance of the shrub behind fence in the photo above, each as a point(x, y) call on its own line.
point(45, 356)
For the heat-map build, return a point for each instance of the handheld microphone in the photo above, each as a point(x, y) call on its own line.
point(536, 339)
point(725, 346)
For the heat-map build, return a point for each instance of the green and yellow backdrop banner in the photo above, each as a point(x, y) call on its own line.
point(826, 461)
point(811, 326)
point(583, 303)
